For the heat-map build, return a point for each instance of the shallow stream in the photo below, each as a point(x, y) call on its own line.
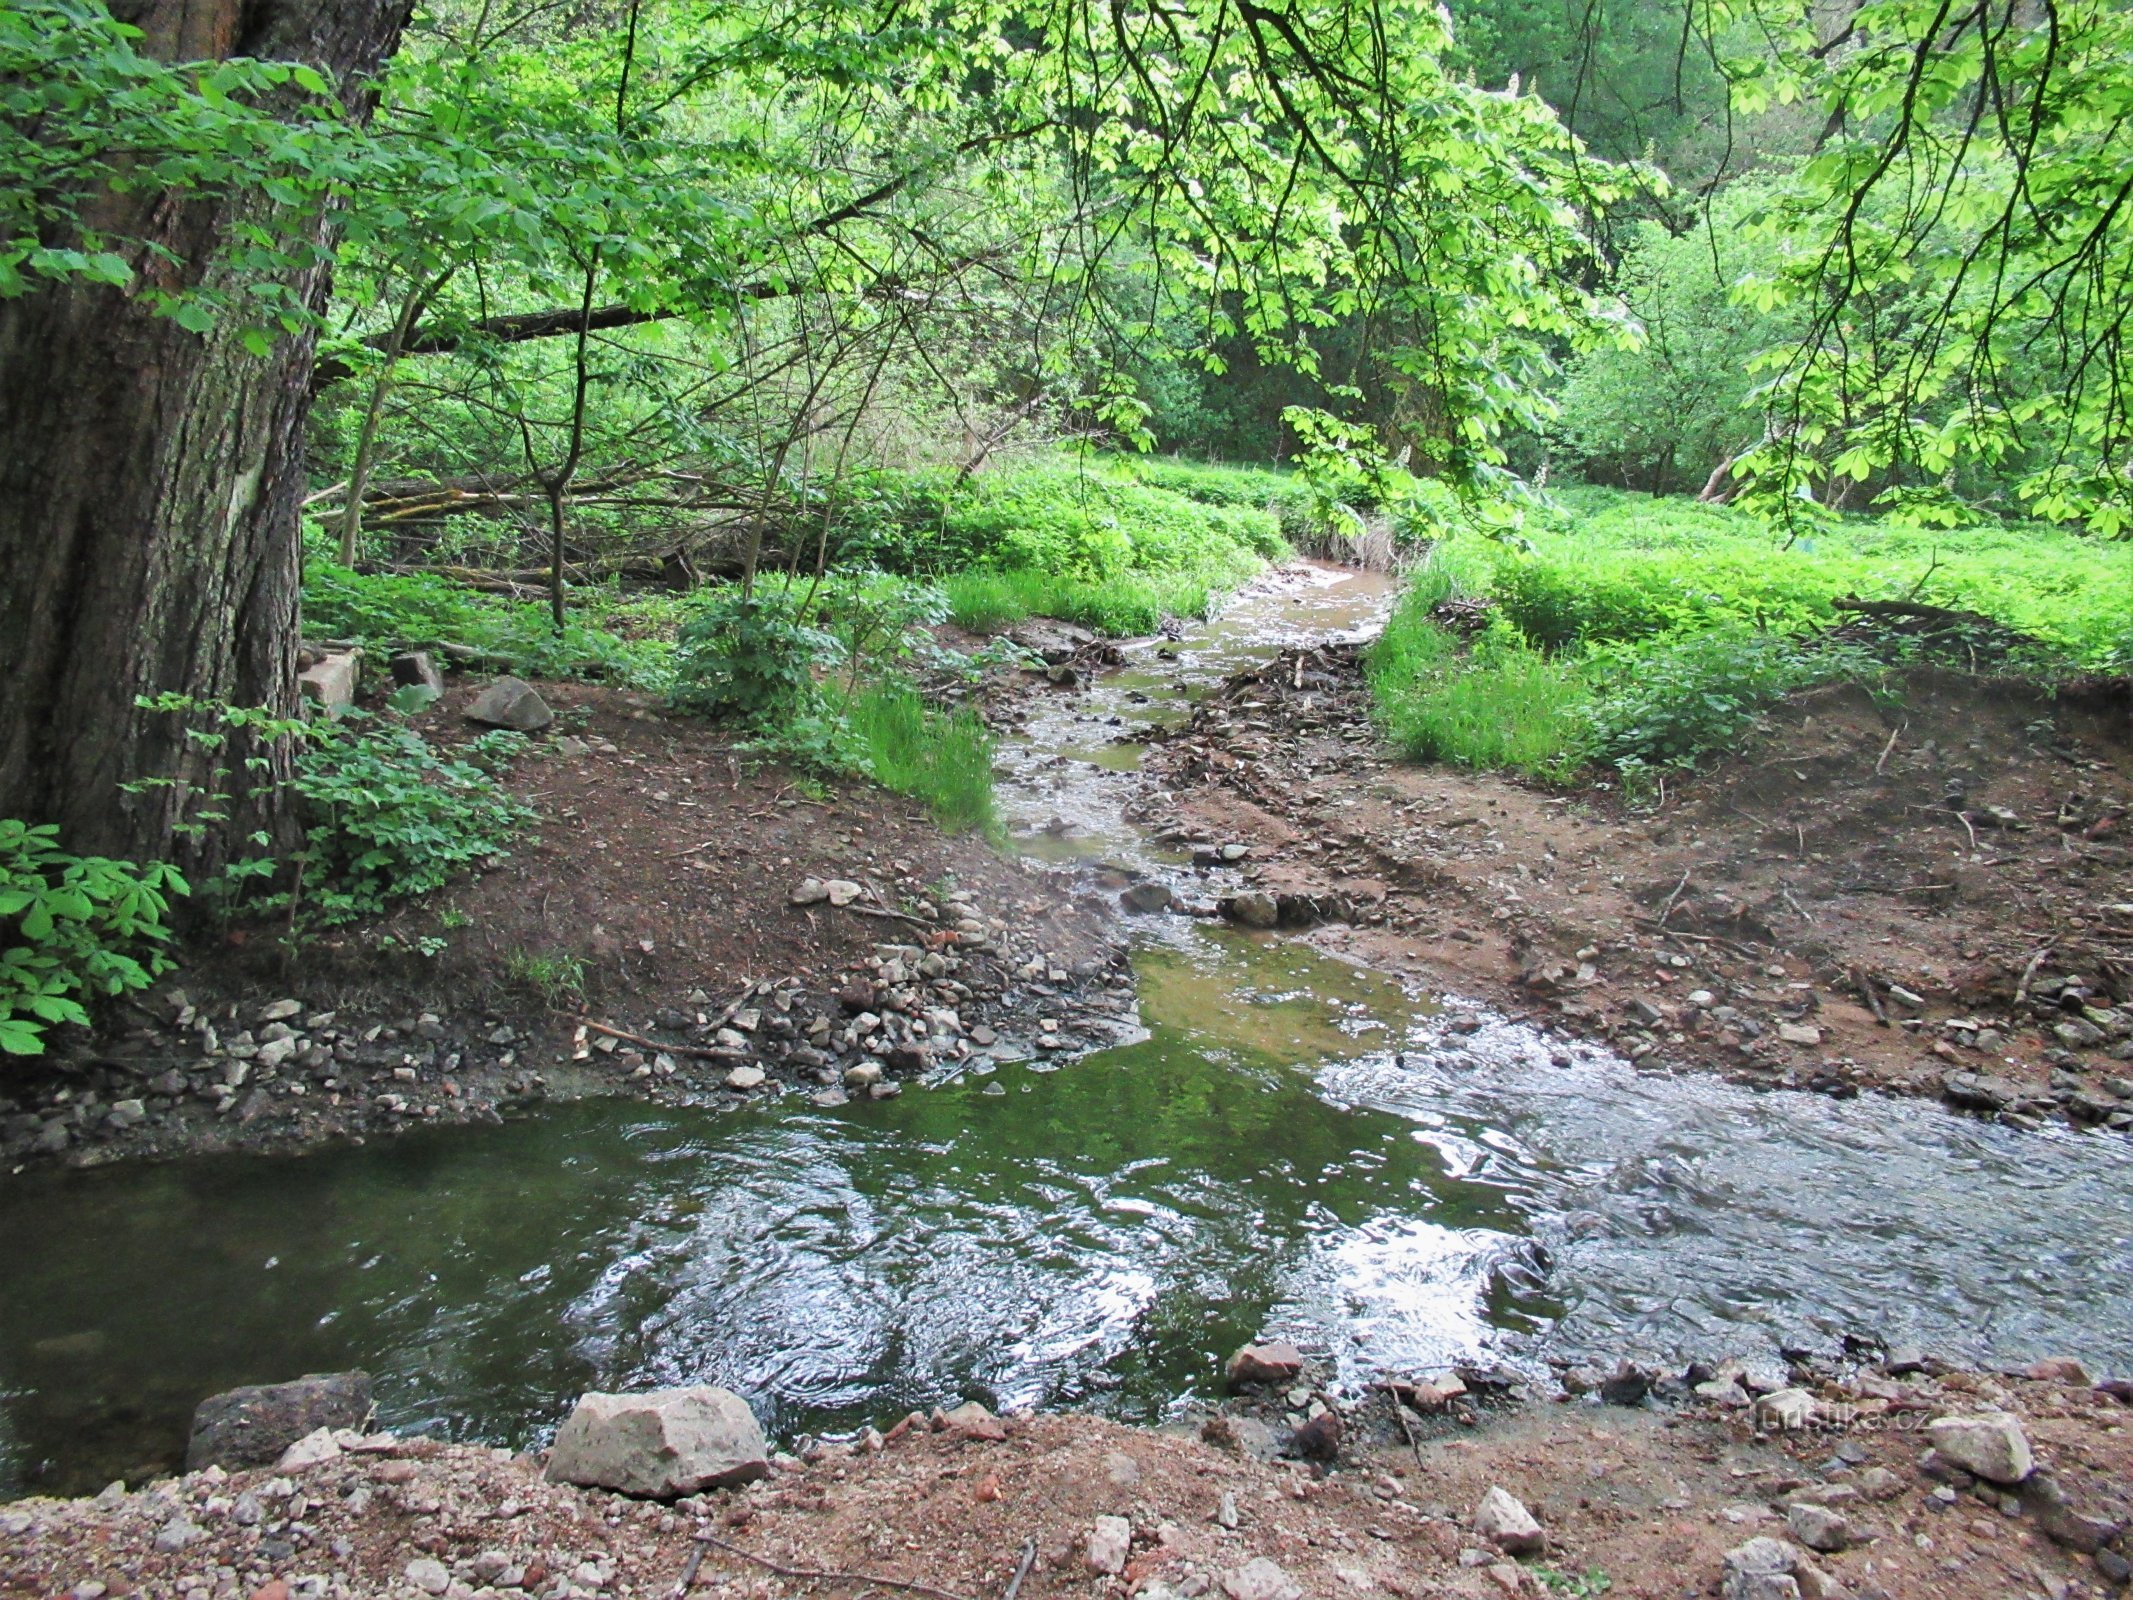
point(1296, 1147)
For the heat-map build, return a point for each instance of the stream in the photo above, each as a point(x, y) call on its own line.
point(1296, 1147)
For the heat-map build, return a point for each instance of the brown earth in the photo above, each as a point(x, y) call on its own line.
point(1631, 1502)
point(655, 900)
point(1934, 898)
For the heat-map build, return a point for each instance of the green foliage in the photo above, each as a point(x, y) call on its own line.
point(1661, 413)
point(387, 817)
point(1611, 566)
point(750, 658)
point(1131, 603)
point(73, 928)
point(558, 980)
point(409, 611)
point(1667, 702)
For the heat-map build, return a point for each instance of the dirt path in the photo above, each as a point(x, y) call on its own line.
point(1933, 900)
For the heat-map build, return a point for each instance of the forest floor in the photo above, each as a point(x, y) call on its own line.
point(1629, 1502)
point(1932, 899)
point(646, 942)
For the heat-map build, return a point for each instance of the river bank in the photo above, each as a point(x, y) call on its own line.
point(1816, 913)
point(687, 926)
point(1633, 1502)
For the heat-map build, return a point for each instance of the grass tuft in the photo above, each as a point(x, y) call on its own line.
point(941, 757)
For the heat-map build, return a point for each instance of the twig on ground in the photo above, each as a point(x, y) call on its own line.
point(1667, 910)
point(1882, 765)
point(884, 911)
point(1802, 910)
point(687, 1580)
point(827, 1574)
point(1029, 1559)
point(1865, 986)
point(2029, 973)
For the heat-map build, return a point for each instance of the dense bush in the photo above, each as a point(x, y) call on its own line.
point(749, 658)
point(72, 928)
point(387, 817)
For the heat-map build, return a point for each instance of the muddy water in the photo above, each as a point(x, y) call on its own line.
point(1295, 1146)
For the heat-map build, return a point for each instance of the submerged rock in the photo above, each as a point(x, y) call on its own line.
point(660, 1445)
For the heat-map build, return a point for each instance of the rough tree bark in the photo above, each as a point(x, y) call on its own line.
point(149, 484)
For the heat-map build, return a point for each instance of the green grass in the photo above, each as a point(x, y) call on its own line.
point(1504, 706)
point(1128, 603)
point(941, 757)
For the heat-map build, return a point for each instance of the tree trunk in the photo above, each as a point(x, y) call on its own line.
point(150, 481)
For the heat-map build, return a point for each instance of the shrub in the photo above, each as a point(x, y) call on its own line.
point(387, 817)
point(77, 927)
point(1671, 702)
point(748, 658)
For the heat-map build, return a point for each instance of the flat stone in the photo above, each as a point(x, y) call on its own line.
point(313, 1449)
point(1819, 1528)
point(808, 892)
point(660, 1445)
point(1799, 1033)
point(1503, 1521)
point(510, 703)
point(745, 1078)
point(251, 1427)
point(431, 1577)
point(1785, 1409)
point(1990, 1444)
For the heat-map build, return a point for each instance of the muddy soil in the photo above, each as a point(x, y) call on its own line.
point(646, 942)
point(1630, 1502)
point(1933, 898)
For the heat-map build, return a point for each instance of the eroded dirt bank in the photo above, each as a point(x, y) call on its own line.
point(1630, 1502)
point(685, 925)
point(1932, 899)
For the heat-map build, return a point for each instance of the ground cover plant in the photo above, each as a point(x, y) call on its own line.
point(1642, 634)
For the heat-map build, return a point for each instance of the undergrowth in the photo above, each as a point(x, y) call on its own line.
point(1643, 634)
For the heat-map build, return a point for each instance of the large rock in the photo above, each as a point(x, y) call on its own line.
point(1146, 898)
point(660, 1445)
point(1252, 910)
point(1503, 1521)
point(1110, 1542)
point(251, 1427)
point(1761, 1569)
point(416, 669)
point(1990, 1444)
point(1265, 1363)
point(510, 703)
point(332, 680)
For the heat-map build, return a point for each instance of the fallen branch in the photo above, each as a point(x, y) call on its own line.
point(1865, 986)
point(2029, 973)
point(826, 1574)
point(1882, 765)
point(883, 911)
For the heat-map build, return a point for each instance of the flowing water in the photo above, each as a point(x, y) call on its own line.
point(1295, 1147)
